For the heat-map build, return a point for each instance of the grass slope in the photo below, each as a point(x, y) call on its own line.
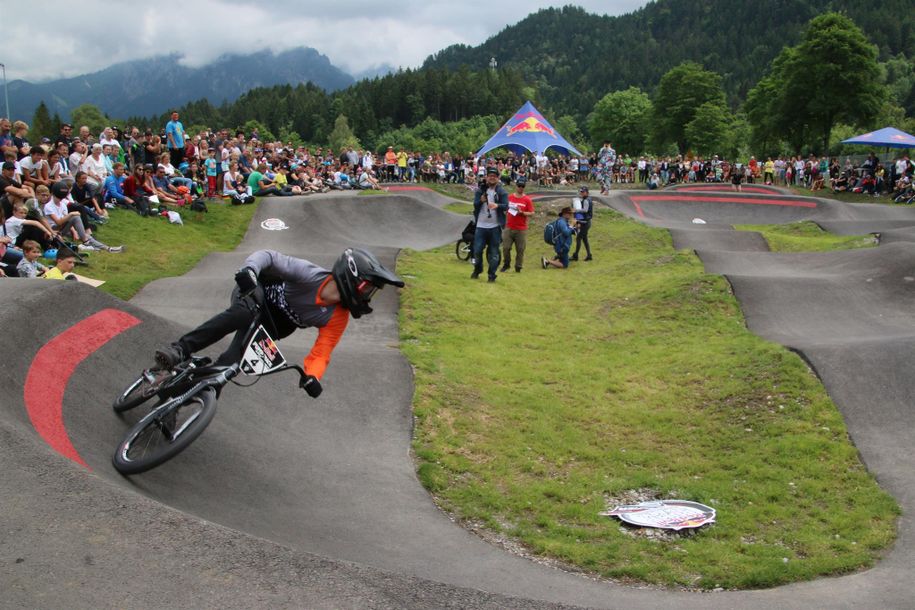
point(807, 237)
point(155, 248)
point(549, 396)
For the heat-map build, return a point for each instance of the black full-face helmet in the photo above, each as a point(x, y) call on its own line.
point(359, 274)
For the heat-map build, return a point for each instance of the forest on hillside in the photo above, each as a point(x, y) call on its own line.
point(596, 77)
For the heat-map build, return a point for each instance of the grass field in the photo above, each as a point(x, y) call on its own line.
point(807, 237)
point(549, 396)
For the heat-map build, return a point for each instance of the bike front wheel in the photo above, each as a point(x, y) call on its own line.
point(462, 249)
point(164, 433)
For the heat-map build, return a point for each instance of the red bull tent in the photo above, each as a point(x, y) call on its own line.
point(888, 136)
point(527, 130)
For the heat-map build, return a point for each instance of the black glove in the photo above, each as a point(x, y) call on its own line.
point(311, 385)
point(246, 280)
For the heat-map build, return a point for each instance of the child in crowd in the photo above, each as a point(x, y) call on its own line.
point(63, 270)
point(29, 265)
point(212, 169)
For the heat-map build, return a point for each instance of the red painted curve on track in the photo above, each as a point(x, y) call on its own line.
point(52, 368)
point(692, 198)
point(715, 189)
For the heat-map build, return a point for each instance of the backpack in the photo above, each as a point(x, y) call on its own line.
point(199, 205)
point(551, 232)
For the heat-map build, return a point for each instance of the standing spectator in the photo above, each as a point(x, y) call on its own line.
point(583, 212)
point(563, 243)
point(390, 163)
point(606, 159)
point(490, 203)
point(175, 135)
point(212, 169)
point(520, 209)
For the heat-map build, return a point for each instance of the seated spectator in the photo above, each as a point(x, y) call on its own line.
point(164, 190)
point(341, 179)
point(84, 201)
point(20, 229)
point(20, 141)
point(11, 187)
point(234, 186)
point(138, 187)
point(840, 184)
point(96, 169)
point(34, 168)
point(69, 223)
point(29, 267)
point(654, 181)
point(114, 189)
point(367, 180)
point(174, 176)
point(63, 268)
point(9, 257)
point(261, 186)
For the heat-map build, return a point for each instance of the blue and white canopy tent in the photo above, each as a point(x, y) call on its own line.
point(527, 130)
point(888, 136)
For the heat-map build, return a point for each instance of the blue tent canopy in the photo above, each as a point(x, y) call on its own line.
point(527, 130)
point(888, 136)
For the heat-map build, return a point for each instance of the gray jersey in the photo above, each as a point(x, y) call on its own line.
point(302, 280)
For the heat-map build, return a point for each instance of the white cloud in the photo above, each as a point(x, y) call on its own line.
point(66, 38)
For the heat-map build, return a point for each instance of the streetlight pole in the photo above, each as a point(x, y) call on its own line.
point(6, 92)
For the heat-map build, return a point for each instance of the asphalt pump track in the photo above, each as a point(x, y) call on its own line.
point(290, 502)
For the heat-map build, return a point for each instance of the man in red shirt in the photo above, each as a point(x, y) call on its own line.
point(520, 208)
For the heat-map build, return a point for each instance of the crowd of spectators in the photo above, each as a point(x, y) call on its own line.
point(147, 170)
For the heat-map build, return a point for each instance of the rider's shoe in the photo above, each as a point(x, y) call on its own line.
point(169, 357)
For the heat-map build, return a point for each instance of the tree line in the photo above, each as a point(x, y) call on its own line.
point(810, 96)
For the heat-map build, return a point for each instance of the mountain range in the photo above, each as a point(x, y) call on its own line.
point(150, 86)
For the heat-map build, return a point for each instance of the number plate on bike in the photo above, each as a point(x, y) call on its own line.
point(262, 354)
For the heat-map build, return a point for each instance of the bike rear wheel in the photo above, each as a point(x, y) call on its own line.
point(142, 389)
point(463, 249)
point(164, 433)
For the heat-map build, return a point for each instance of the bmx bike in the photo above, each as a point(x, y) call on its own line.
point(463, 248)
point(186, 397)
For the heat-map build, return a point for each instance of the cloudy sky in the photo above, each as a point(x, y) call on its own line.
point(48, 39)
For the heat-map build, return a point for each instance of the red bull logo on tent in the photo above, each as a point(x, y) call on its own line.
point(530, 125)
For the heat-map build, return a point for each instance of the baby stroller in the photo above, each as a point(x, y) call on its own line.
point(463, 248)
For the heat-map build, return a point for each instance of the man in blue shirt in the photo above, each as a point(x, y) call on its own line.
point(114, 187)
point(174, 134)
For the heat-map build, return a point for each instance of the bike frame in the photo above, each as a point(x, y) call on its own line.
point(193, 379)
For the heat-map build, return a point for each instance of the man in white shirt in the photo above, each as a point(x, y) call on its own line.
point(65, 222)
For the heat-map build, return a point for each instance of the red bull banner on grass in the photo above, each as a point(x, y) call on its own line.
point(528, 130)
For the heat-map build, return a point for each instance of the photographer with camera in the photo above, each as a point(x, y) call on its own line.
point(563, 243)
point(490, 203)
